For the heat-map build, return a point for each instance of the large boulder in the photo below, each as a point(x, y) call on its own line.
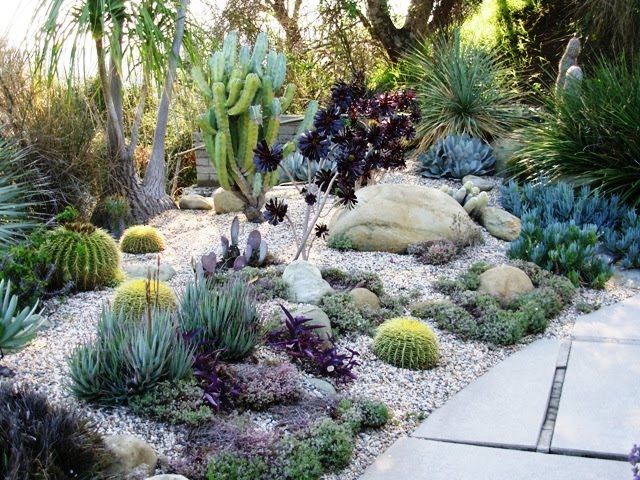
point(194, 202)
point(132, 454)
point(318, 318)
point(390, 217)
point(505, 282)
point(363, 297)
point(500, 223)
point(305, 282)
point(226, 202)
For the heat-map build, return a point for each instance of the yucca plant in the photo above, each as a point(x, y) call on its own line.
point(15, 196)
point(589, 136)
point(17, 327)
point(461, 89)
point(129, 358)
point(220, 318)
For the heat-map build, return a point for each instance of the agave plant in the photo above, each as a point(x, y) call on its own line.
point(254, 255)
point(457, 156)
point(15, 195)
point(17, 328)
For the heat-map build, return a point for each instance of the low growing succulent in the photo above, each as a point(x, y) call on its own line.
point(17, 327)
point(220, 317)
point(334, 444)
point(220, 389)
point(457, 156)
point(470, 197)
point(142, 239)
point(254, 255)
point(562, 248)
point(261, 386)
point(434, 252)
point(82, 254)
point(406, 343)
point(128, 358)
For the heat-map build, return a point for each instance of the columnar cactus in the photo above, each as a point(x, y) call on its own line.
point(246, 96)
point(470, 197)
point(568, 70)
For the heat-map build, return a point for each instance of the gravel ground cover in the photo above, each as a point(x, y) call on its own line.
point(410, 395)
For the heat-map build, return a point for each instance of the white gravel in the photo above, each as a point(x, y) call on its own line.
point(410, 395)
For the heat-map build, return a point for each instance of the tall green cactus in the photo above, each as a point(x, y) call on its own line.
point(246, 97)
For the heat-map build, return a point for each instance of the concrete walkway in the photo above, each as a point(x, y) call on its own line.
point(552, 411)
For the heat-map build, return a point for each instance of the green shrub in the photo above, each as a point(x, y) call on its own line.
point(69, 215)
point(142, 239)
point(223, 316)
point(82, 254)
point(375, 414)
point(17, 327)
point(562, 248)
point(454, 318)
point(461, 89)
point(346, 317)
point(340, 242)
point(406, 343)
point(112, 213)
point(477, 316)
point(136, 296)
point(589, 136)
point(586, 307)
point(302, 462)
point(128, 358)
point(233, 466)
point(334, 444)
point(16, 195)
point(28, 268)
point(342, 280)
point(178, 403)
point(38, 440)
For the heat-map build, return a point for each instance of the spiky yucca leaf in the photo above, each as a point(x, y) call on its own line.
point(128, 358)
point(17, 328)
point(461, 89)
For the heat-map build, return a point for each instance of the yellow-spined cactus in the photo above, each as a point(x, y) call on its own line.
point(142, 239)
point(83, 255)
point(406, 343)
point(134, 296)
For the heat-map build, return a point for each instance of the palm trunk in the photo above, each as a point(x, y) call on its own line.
point(155, 175)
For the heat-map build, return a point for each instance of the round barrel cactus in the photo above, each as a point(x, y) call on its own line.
point(134, 296)
point(83, 255)
point(406, 343)
point(142, 239)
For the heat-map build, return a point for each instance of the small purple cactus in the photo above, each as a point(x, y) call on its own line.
point(254, 240)
point(209, 263)
point(235, 231)
point(239, 263)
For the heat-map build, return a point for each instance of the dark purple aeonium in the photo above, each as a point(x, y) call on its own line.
point(275, 211)
point(267, 159)
point(634, 459)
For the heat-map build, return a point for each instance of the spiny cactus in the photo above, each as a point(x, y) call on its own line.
point(568, 70)
point(134, 297)
point(470, 197)
point(254, 255)
point(142, 239)
point(406, 343)
point(82, 254)
point(246, 95)
point(457, 156)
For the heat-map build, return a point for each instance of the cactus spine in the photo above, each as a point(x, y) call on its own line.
point(246, 97)
point(568, 70)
